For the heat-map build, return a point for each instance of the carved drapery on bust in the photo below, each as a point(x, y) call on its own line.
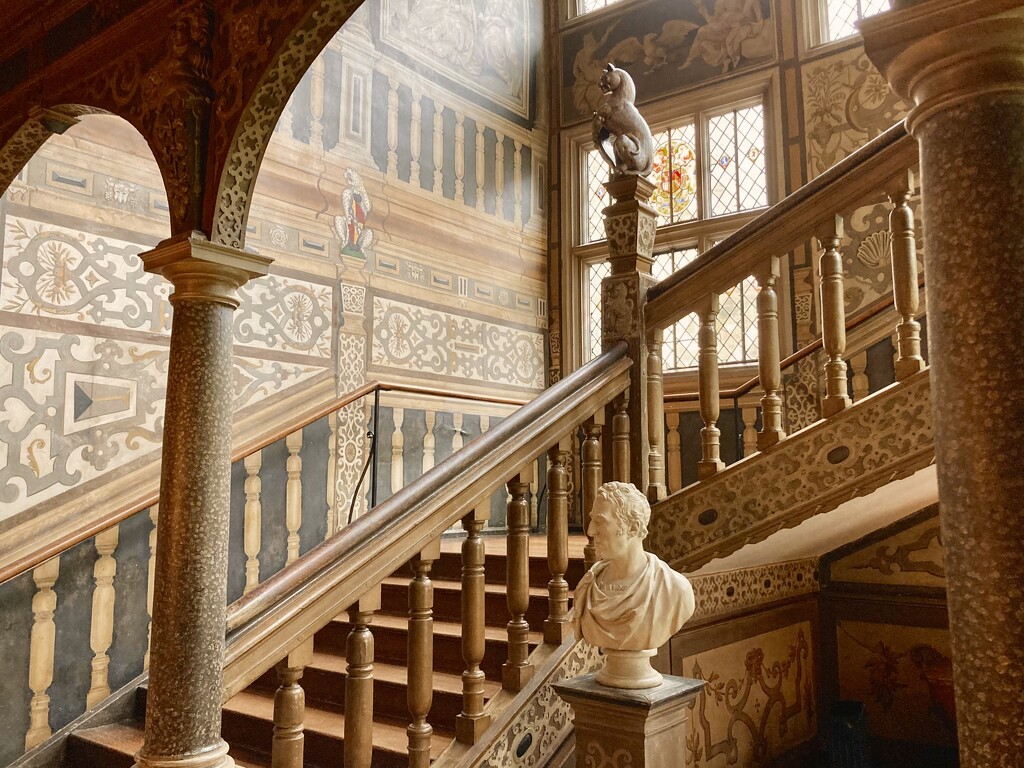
point(622, 136)
point(630, 602)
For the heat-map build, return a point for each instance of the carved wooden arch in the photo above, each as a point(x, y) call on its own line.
point(42, 123)
point(263, 108)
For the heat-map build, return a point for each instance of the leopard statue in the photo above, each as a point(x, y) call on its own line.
point(622, 136)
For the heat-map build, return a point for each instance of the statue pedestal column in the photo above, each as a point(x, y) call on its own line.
point(641, 728)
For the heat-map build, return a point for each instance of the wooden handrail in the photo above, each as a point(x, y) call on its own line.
point(78, 535)
point(267, 622)
point(869, 312)
point(783, 226)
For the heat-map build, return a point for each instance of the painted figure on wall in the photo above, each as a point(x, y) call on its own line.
point(735, 30)
point(350, 226)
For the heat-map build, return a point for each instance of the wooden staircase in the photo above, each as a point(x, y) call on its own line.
point(248, 717)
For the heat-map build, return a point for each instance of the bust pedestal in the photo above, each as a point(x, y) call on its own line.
point(641, 728)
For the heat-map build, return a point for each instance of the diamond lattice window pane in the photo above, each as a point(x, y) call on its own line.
point(738, 178)
point(873, 7)
point(596, 173)
point(587, 6)
point(730, 326)
point(842, 18)
point(595, 274)
point(750, 291)
point(753, 180)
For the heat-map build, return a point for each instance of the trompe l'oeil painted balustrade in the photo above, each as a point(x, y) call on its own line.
point(814, 213)
point(273, 623)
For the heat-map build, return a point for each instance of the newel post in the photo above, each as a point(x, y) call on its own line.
point(630, 223)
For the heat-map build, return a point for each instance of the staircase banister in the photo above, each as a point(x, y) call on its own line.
point(783, 226)
point(290, 606)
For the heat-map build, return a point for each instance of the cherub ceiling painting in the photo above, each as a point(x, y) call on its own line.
point(673, 45)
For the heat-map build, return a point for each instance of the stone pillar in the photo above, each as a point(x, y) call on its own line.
point(962, 63)
point(187, 654)
point(630, 224)
point(641, 728)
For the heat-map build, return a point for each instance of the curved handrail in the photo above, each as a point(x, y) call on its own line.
point(268, 621)
point(783, 226)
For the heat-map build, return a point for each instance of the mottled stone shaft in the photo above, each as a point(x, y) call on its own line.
point(972, 166)
point(183, 712)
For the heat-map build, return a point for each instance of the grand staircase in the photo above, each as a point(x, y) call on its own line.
point(248, 717)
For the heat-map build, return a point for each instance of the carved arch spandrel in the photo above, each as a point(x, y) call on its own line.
point(252, 92)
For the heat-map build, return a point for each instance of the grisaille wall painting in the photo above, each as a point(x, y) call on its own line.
point(486, 46)
point(667, 45)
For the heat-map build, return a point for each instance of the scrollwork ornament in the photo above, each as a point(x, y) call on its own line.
point(596, 757)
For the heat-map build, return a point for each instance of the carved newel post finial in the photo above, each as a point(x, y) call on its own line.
point(620, 133)
point(631, 602)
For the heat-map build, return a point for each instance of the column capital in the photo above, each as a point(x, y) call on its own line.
point(941, 53)
point(203, 270)
point(630, 224)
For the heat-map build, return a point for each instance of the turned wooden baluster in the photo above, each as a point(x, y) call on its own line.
point(655, 417)
point(517, 670)
point(620, 438)
point(359, 682)
point(591, 461)
point(674, 452)
point(293, 493)
point(833, 317)
point(420, 689)
point(707, 387)
point(906, 294)
point(768, 355)
point(253, 522)
point(290, 708)
point(556, 625)
point(472, 721)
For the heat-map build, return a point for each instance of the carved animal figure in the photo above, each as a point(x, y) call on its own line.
point(622, 136)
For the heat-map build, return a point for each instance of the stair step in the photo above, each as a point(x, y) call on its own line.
point(448, 601)
point(324, 684)
point(115, 746)
point(390, 640)
point(248, 721)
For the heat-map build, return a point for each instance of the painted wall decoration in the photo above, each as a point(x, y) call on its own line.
point(668, 47)
point(415, 338)
point(846, 103)
point(759, 699)
point(902, 674)
point(910, 557)
point(350, 226)
point(487, 48)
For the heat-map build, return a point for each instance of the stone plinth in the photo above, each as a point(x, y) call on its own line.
point(644, 728)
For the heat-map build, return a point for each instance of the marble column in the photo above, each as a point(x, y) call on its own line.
point(183, 711)
point(962, 64)
point(630, 224)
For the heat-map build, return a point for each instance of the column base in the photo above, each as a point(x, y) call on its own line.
point(643, 728)
point(468, 730)
point(768, 438)
point(514, 677)
point(213, 757)
point(709, 468)
point(831, 405)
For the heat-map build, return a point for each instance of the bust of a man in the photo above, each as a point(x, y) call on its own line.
point(631, 602)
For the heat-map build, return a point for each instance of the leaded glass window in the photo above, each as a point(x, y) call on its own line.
point(588, 6)
point(596, 272)
point(731, 151)
point(839, 17)
point(595, 173)
point(737, 317)
point(736, 150)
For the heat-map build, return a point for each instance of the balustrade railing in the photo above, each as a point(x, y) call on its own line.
point(882, 168)
point(275, 620)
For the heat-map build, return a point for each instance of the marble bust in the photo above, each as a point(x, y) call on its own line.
point(630, 602)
